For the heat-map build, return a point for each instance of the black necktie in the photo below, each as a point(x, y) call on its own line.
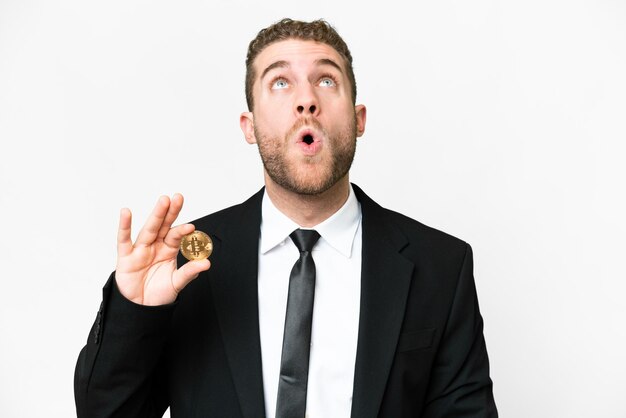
point(294, 364)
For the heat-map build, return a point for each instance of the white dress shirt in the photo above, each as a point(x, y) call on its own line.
point(334, 333)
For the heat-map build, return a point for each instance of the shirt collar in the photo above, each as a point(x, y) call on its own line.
point(338, 231)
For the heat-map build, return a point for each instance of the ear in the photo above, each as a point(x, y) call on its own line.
point(246, 122)
point(361, 116)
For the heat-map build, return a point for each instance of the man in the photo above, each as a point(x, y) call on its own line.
point(377, 318)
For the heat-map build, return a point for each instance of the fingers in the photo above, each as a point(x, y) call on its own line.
point(176, 234)
point(189, 271)
point(150, 230)
point(124, 243)
point(176, 205)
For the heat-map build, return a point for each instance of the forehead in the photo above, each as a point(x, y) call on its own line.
point(295, 52)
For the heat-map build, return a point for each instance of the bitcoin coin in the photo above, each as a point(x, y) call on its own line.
point(196, 246)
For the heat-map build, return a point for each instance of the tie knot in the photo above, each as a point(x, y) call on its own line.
point(305, 239)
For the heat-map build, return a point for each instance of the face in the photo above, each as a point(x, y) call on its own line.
point(304, 121)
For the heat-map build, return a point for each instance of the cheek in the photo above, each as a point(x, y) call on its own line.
point(273, 113)
point(338, 107)
point(340, 118)
point(272, 127)
point(279, 100)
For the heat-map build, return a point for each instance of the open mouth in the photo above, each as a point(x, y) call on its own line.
point(310, 142)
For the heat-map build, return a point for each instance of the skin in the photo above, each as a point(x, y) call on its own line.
point(301, 87)
point(146, 271)
point(304, 94)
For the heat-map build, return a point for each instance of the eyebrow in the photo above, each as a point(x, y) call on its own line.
point(327, 61)
point(285, 64)
point(277, 64)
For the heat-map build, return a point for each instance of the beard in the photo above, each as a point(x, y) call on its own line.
point(308, 175)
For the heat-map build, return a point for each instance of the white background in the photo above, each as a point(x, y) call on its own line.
point(502, 123)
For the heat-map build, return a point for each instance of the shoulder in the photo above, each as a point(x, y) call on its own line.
point(417, 230)
point(247, 212)
point(417, 237)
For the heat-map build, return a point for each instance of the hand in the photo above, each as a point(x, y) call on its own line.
point(146, 271)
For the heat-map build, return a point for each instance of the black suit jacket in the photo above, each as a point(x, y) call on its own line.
point(421, 351)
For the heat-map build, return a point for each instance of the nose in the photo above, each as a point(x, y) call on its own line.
point(312, 109)
point(306, 103)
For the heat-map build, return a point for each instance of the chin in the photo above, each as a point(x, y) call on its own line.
point(310, 183)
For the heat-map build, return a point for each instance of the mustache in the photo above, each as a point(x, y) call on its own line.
point(301, 123)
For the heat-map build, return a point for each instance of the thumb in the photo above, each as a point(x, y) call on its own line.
point(189, 271)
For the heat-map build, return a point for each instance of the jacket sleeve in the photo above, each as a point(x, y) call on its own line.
point(460, 385)
point(118, 373)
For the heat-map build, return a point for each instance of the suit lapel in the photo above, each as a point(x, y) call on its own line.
point(385, 280)
point(234, 286)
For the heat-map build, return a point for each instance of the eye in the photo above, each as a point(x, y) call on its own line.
point(279, 84)
point(327, 82)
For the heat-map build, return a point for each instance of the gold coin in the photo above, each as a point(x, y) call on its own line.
point(196, 246)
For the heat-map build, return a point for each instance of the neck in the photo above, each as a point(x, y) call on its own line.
point(308, 210)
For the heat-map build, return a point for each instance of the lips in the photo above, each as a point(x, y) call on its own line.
point(309, 141)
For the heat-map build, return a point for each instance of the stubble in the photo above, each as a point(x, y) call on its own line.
point(307, 175)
